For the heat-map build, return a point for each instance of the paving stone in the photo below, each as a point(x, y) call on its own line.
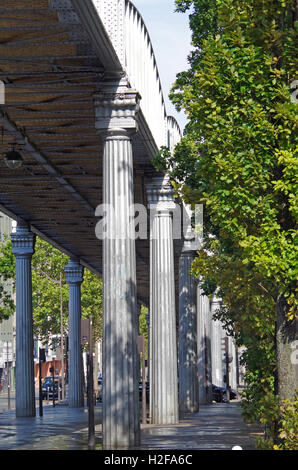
point(215, 427)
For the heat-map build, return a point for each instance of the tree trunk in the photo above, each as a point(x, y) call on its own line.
point(286, 334)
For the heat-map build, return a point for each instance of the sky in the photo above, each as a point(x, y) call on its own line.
point(171, 39)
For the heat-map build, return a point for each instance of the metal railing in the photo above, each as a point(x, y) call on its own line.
point(131, 41)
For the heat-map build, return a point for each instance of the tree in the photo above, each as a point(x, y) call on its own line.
point(239, 153)
point(143, 327)
point(7, 276)
point(50, 291)
point(92, 302)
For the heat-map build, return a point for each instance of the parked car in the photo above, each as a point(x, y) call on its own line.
point(47, 387)
point(219, 394)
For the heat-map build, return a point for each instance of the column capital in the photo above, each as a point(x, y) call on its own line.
point(74, 272)
point(23, 241)
point(190, 242)
point(160, 194)
point(216, 301)
point(116, 109)
point(189, 248)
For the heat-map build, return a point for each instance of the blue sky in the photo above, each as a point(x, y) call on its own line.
point(171, 39)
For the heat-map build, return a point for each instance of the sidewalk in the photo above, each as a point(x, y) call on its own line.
point(216, 427)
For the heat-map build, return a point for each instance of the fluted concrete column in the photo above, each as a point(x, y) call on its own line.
point(74, 278)
point(233, 363)
point(149, 367)
point(188, 359)
point(208, 358)
point(23, 242)
point(148, 345)
point(116, 111)
point(216, 345)
point(202, 346)
point(163, 353)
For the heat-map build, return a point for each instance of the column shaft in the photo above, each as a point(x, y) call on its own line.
point(216, 341)
point(23, 247)
point(74, 277)
point(163, 348)
point(76, 396)
point(188, 360)
point(121, 427)
point(202, 347)
point(116, 107)
point(208, 355)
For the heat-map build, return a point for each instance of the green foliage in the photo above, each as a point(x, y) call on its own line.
point(242, 125)
point(259, 402)
point(238, 157)
point(288, 429)
point(288, 432)
point(143, 327)
point(92, 302)
point(264, 444)
point(160, 159)
point(50, 291)
point(48, 265)
point(7, 260)
point(7, 275)
point(202, 20)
